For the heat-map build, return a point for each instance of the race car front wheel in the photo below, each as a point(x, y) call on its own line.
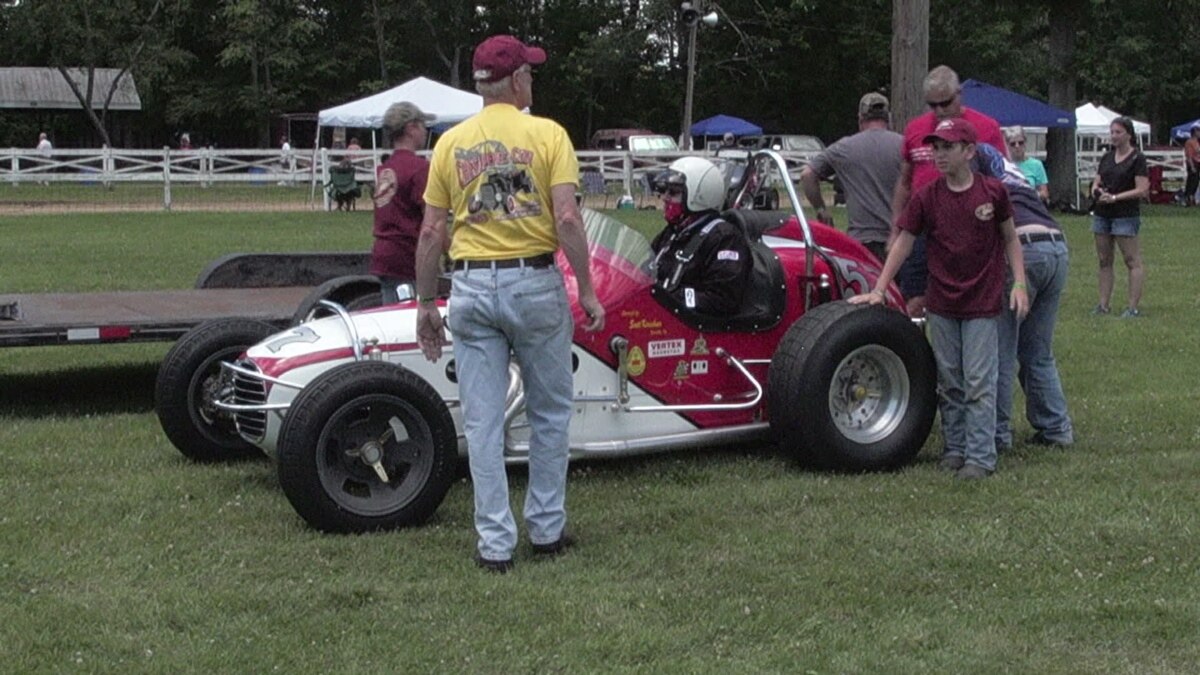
point(367, 446)
point(853, 388)
point(189, 378)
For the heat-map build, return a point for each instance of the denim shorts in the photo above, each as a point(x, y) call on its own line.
point(1117, 227)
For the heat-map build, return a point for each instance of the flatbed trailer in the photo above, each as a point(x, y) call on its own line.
point(276, 288)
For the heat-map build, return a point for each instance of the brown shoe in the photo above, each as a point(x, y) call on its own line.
point(972, 472)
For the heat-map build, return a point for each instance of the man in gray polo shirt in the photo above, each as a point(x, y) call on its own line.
point(868, 164)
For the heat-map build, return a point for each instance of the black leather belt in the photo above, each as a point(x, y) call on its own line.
point(543, 260)
point(1041, 236)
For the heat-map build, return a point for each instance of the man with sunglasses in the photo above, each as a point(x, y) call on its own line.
point(943, 95)
point(510, 180)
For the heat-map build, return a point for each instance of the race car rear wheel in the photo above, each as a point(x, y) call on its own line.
point(852, 387)
point(189, 378)
point(367, 446)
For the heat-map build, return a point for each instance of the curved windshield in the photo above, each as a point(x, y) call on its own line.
point(619, 257)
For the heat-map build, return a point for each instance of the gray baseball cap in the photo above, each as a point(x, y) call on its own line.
point(399, 114)
point(873, 106)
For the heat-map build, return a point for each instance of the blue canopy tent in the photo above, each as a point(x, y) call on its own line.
point(1012, 109)
point(720, 125)
point(1183, 131)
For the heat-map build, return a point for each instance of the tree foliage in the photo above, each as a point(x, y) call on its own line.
point(226, 70)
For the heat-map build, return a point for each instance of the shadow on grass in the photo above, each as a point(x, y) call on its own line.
point(94, 390)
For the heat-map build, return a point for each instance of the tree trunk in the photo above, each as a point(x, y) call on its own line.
point(910, 58)
point(379, 41)
point(85, 101)
point(1060, 143)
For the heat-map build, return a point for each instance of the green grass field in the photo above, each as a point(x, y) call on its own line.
point(117, 555)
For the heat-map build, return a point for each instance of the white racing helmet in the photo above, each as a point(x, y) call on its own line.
point(702, 181)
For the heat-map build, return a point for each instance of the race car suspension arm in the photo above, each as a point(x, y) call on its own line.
point(620, 345)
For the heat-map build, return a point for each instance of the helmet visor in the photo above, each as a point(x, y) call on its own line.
point(670, 181)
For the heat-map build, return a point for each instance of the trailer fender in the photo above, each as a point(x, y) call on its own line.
point(258, 270)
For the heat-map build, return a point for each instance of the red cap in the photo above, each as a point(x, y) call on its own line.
point(500, 55)
point(953, 130)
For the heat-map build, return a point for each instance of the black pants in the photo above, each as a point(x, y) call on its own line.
point(1193, 181)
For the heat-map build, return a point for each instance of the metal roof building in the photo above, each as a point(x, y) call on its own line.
point(45, 88)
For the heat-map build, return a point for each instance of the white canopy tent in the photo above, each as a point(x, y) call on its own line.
point(1092, 123)
point(447, 103)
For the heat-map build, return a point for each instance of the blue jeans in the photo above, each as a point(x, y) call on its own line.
point(913, 275)
point(967, 359)
point(523, 311)
point(1029, 344)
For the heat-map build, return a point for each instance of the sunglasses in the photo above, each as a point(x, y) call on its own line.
point(1016, 143)
point(671, 191)
point(941, 104)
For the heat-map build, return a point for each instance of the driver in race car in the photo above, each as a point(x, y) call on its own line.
point(701, 261)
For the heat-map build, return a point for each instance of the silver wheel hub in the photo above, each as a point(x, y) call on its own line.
point(869, 394)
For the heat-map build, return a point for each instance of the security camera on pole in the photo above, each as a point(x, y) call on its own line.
point(690, 15)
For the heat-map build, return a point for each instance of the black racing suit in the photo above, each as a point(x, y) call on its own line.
point(704, 264)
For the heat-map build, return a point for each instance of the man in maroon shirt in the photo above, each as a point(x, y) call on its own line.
point(943, 95)
point(967, 221)
point(399, 199)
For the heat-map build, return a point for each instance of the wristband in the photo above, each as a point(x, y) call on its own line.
point(880, 293)
point(426, 300)
point(1020, 284)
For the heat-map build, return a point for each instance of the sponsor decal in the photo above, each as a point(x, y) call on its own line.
point(689, 297)
point(985, 211)
point(681, 370)
point(700, 347)
point(727, 255)
point(663, 348)
point(644, 324)
point(635, 361)
point(700, 367)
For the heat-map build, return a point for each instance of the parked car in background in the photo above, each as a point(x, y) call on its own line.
point(633, 140)
point(783, 143)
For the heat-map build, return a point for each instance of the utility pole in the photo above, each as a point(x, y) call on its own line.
point(690, 16)
point(910, 59)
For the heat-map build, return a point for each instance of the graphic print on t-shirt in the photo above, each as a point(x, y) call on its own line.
point(502, 181)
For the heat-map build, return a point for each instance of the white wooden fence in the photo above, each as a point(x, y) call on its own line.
point(623, 173)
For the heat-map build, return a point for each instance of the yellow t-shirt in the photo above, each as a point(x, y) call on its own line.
point(494, 172)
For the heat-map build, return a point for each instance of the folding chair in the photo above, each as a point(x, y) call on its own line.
point(343, 186)
point(593, 184)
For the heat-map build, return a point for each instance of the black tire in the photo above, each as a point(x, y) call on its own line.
point(820, 406)
point(189, 377)
point(365, 301)
point(335, 418)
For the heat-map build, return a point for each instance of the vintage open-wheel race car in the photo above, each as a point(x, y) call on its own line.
point(366, 433)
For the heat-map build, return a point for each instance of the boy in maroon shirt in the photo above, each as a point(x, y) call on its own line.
point(968, 227)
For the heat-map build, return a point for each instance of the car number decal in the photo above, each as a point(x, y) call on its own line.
point(297, 334)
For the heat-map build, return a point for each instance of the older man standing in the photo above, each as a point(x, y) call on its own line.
point(943, 95)
point(868, 164)
point(510, 180)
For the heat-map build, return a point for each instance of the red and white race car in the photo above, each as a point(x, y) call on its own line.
point(366, 432)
